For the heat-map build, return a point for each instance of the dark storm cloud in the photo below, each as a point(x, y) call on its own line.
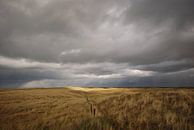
point(174, 43)
point(97, 43)
point(168, 66)
point(156, 12)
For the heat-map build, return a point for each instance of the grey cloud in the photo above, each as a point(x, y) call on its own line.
point(69, 40)
point(168, 66)
point(158, 12)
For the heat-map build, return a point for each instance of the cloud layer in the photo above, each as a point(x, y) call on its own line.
point(96, 43)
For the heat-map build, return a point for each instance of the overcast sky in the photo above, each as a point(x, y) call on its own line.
point(113, 43)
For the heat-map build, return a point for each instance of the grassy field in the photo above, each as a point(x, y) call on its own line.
point(97, 109)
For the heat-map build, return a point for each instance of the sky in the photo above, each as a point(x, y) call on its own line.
point(100, 43)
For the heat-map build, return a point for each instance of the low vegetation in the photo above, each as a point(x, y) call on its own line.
point(97, 109)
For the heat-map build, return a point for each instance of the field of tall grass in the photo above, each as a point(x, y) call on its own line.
point(97, 109)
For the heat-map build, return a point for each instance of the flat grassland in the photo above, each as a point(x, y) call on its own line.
point(75, 108)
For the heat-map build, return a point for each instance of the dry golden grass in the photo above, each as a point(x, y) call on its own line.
point(97, 109)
